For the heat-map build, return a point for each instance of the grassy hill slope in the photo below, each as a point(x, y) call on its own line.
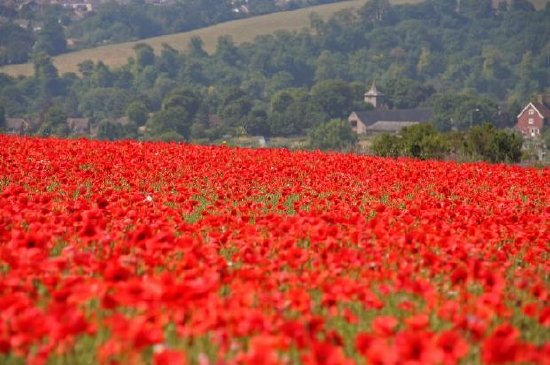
point(242, 30)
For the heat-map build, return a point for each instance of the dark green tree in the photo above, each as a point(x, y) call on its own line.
point(169, 136)
point(256, 123)
point(15, 44)
point(522, 5)
point(172, 120)
point(375, 11)
point(109, 130)
point(145, 55)
point(462, 111)
point(403, 93)
point(137, 113)
point(55, 123)
point(335, 96)
point(294, 111)
point(2, 118)
point(226, 51)
point(386, 145)
point(235, 105)
point(47, 78)
point(86, 68)
point(51, 39)
point(170, 60)
point(423, 141)
point(490, 144)
point(476, 8)
point(546, 138)
point(335, 134)
point(185, 98)
point(104, 103)
point(102, 76)
point(196, 49)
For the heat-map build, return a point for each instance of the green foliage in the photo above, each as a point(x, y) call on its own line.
point(118, 22)
point(386, 145)
point(462, 111)
point(483, 142)
point(335, 97)
point(145, 55)
point(185, 98)
point(522, 5)
point(287, 84)
point(48, 83)
point(227, 51)
point(335, 134)
point(487, 143)
point(169, 121)
point(546, 137)
point(421, 141)
point(403, 93)
point(55, 123)
point(108, 130)
point(169, 61)
point(256, 123)
point(51, 39)
point(234, 106)
point(2, 117)
point(113, 130)
point(196, 47)
point(15, 44)
point(169, 136)
point(137, 113)
point(102, 76)
point(477, 8)
point(293, 111)
point(104, 103)
point(375, 11)
point(198, 131)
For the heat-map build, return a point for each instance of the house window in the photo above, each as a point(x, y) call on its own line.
point(531, 121)
point(354, 124)
point(531, 112)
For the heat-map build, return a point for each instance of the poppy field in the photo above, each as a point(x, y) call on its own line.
point(164, 253)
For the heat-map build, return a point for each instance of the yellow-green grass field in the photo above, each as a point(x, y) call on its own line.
point(243, 30)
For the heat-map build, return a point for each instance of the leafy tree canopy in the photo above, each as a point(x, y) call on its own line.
point(335, 134)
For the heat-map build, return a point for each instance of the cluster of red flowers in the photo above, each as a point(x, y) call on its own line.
point(137, 253)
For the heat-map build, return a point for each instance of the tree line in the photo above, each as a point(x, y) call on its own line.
point(472, 65)
point(26, 30)
point(482, 142)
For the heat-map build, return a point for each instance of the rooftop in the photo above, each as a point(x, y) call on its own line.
point(369, 117)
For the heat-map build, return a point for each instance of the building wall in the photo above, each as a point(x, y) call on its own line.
point(530, 123)
point(357, 126)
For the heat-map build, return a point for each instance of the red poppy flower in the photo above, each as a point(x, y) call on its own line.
point(169, 357)
point(501, 346)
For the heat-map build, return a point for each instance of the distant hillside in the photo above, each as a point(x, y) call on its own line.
point(241, 30)
point(539, 4)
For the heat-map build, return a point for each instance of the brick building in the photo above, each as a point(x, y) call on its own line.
point(533, 118)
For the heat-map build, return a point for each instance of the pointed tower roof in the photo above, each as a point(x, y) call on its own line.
point(373, 90)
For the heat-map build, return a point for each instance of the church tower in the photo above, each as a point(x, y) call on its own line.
point(375, 97)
